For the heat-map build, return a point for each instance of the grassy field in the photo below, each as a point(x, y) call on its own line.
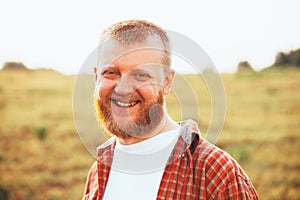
point(41, 155)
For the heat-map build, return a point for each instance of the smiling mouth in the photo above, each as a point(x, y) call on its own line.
point(125, 104)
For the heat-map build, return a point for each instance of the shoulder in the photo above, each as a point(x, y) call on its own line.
point(215, 161)
point(93, 170)
point(224, 177)
point(91, 188)
point(212, 156)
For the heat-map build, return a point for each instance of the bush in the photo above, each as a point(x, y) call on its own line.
point(244, 66)
point(288, 59)
point(281, 59)
point(14, 66)
point(41, 132)
point(294, 58)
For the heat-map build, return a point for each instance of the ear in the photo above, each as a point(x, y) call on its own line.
point(169, 81)
point(95, 74)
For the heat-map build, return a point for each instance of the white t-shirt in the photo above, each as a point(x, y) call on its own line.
point(137, 169)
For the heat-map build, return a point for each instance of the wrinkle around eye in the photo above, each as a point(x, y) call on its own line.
point(141, 76)
point(110, 73)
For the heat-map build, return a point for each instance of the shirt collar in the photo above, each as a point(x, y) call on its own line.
point(188, 131)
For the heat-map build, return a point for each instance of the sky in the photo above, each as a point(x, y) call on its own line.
point(61, 34)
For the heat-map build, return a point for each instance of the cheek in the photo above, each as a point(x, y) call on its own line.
point(149, 92)
point(104, 89)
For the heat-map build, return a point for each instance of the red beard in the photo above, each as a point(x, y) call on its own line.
point(150, 117)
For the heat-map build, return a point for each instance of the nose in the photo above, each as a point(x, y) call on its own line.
point(124, 86)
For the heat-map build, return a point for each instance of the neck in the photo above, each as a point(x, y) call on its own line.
point(166, 124)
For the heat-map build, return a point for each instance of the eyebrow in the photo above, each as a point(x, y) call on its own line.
point(139, 70)
point(149, 70)
point(109, 67)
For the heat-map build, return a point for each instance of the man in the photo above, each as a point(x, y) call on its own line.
point(150, 156)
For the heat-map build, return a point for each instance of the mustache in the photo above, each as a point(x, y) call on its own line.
point(125, 98)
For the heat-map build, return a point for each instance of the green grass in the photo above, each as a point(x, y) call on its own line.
point(261, 132)
point(36, 104)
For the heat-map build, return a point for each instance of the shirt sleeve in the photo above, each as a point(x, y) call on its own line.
point(239, 188)
point(225, 179)
point(91, 188)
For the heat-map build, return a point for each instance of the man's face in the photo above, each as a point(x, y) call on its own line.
point(131, 88)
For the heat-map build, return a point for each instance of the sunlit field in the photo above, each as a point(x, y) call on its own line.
point(42, 157)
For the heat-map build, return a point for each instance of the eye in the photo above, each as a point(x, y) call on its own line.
point(110, 74)
point(141, 76)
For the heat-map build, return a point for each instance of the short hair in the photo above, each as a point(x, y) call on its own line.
point(131, 31)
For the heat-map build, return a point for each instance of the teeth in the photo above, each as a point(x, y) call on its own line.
point(122, 104)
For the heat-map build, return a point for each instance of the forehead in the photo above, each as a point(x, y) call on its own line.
point(142, 53)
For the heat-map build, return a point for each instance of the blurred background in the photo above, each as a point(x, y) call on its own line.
point(254, 45)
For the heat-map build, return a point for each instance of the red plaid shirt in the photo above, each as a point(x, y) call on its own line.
point(198, 170)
